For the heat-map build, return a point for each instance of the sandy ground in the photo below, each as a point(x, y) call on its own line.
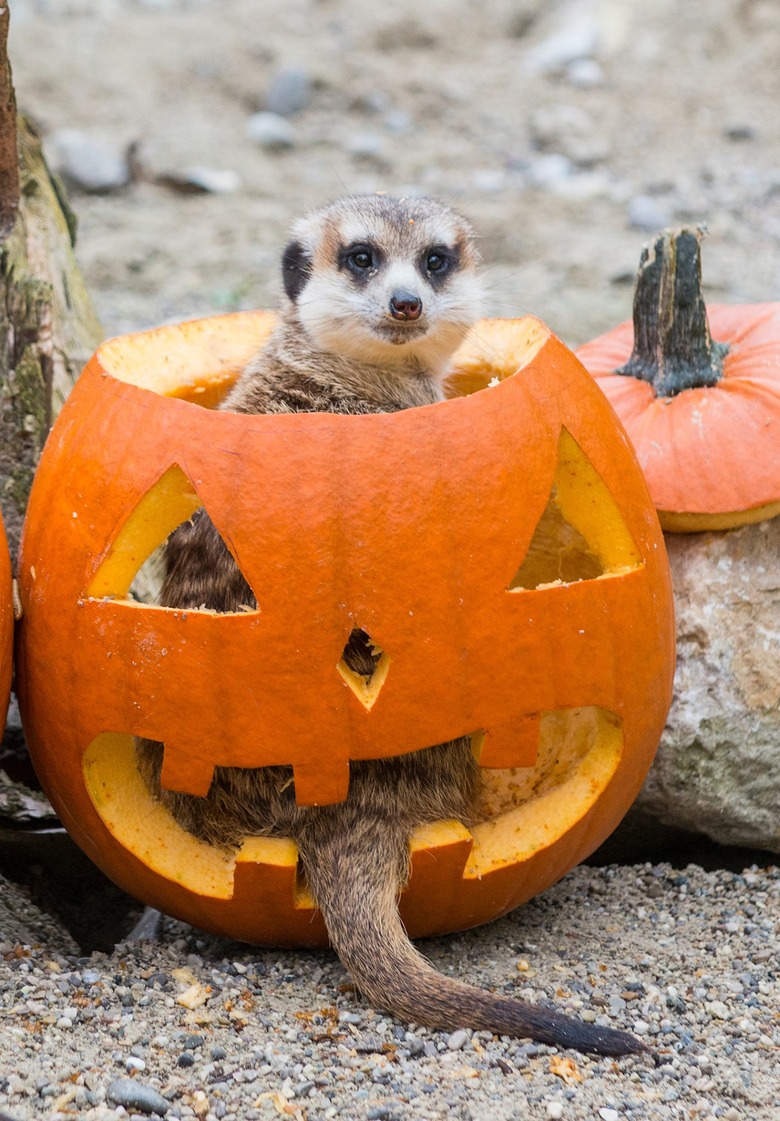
point(450, 98)
point(567, 132)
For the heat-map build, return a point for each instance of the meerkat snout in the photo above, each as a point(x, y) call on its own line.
point(405, 306)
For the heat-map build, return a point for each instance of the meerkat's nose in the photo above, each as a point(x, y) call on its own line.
point(403, 305)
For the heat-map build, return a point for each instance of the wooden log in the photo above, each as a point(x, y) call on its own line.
point(48, 324)
point(48, 330)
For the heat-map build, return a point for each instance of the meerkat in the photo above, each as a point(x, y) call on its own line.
point(379, 292)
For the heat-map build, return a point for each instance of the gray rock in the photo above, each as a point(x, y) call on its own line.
point(574, 34)
point(23, 805)
point(86, 162)
point(270, 131)
point(490, 179)
point(569, 130)
point(202, 180)
point(550, 170)
point(135, 1095)
point(458, 1039)
point(397, 121)
point(585, 73)
point(290, 92)
point(717, 770)
point(648, 213)
point(365, 145)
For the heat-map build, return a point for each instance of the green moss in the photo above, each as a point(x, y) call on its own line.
point(29, 393)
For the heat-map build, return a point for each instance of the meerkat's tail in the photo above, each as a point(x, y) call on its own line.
point(357, 893)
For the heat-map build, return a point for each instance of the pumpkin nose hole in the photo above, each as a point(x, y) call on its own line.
point(364, 666)
point(403, 305)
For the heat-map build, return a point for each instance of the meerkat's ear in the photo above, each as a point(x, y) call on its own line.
point(296, 269)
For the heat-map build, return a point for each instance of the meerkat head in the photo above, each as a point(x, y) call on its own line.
point(384, 280)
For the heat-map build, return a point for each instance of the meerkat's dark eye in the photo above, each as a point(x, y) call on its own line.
point(359, 259)
point(437, 262)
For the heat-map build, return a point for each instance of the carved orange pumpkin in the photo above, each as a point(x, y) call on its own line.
point(6, 625)
point(698, 391)
point(500, 548)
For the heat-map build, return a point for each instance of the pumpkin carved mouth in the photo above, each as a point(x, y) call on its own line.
point(525, 811)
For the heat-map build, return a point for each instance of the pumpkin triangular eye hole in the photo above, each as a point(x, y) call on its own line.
point(133, 566)
point(581, 535)
point(364, 666)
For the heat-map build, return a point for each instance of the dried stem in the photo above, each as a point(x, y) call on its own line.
point(673, 347)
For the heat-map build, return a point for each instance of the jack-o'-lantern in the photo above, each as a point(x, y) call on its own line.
point(6, 625)
point(500, 549)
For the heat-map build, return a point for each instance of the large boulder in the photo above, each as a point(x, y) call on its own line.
point(717, 770)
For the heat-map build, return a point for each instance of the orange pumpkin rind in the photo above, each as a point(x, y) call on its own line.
point(6, 625)
point(428, 558)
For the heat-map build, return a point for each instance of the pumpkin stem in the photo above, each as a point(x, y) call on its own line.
point(673, 347)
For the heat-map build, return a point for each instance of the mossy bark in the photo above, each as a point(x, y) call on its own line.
point(48, 325)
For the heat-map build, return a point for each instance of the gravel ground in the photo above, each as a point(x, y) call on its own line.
point(196, 1027)
point(568, 131)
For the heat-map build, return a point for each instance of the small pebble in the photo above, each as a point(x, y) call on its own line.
point(550, 170)
point(585, 73)
point(555, 1110)
point(86, 162)
point(397, 121)
point(609, 1115)
point(290, 92)
point(648, 213)
point(270, 131)
point(350, 1018)
point(201, 180)
point(458, 1039)
point(365, 145)
point(135, 1095)
point(575, 36)
point(740, 132)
